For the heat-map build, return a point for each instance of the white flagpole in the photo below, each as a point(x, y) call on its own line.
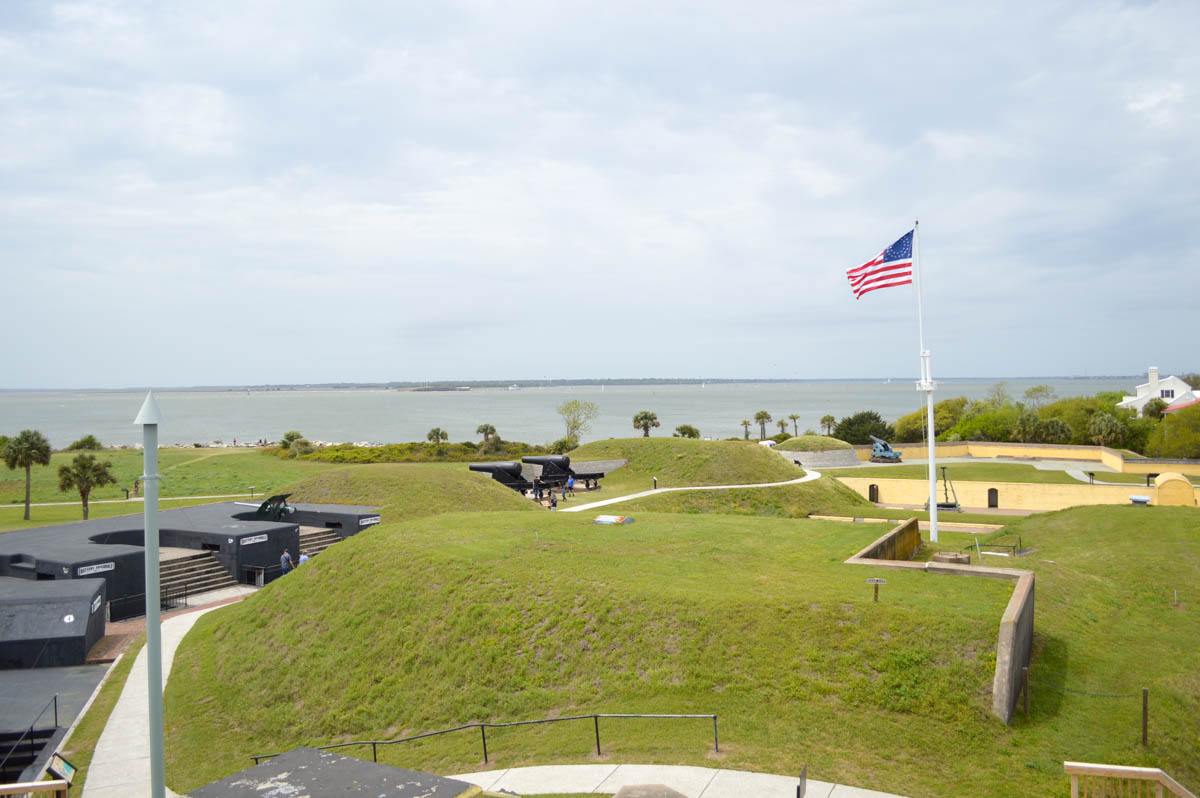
point(927, 385)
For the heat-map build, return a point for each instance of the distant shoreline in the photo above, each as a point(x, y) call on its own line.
point(461, 385)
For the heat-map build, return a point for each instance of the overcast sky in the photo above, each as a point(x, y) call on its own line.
point(292, 192)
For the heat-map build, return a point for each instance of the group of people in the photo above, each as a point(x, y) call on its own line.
point(567, 489)
point(285, 561)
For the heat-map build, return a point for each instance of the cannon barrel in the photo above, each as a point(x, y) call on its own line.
point(557, 460)
point(508, 467)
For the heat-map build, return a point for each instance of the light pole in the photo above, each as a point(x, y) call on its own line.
point(150, 417)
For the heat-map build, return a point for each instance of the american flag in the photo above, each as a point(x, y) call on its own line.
point(889, 268)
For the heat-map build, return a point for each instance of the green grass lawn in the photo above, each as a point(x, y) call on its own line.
point(410, 490)
point(825, 496)
point(11, 517)
point(185, 472)
point(444, 620)
point(473, 616)
point(682, 461)
point(813, 443)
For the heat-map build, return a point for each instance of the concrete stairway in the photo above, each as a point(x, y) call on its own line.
point(201, 572)
point(315, 539)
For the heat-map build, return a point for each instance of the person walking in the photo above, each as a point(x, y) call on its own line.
point(285, 562)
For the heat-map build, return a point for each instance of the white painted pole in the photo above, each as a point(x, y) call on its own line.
point(927, 385)
point(149, 417)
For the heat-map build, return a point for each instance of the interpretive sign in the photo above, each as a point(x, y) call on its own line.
point(374, 519)
point(876, 581)
point(254, 539)
point(98, 568)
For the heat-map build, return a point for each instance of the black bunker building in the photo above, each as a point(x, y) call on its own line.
point(59, 584)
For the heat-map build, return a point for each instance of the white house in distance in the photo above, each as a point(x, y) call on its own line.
point(1172, 390)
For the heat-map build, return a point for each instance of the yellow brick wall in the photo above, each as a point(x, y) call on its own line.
point(984, 449)
point(1012, 495)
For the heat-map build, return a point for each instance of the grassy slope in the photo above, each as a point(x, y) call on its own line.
point(185, 472)
point(410, 490)
point(825, 496)
point(813, 443)
point(469, 616)
point(682, 461)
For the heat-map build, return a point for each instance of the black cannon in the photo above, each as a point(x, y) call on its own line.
point(508, 473)
point(555, 468)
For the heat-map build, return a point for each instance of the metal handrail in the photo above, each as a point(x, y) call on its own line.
point(32, 751)
point(483, 727)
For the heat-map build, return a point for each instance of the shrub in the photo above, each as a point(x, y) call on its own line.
point(858, 428)
point(86, 443)
point(686, 431)
point(1178, 436)
point(911, 428)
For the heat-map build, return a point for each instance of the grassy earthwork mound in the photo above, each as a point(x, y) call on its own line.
point(404, 490)
point(448, 619)
point(813, 443)
point(825, 496)
point(684, 461)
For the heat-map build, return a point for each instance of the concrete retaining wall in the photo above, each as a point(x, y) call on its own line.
point(838, 458)
point(1014, 643)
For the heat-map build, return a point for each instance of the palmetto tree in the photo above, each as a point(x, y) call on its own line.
point(828, 422)
point(745, 422)
point(795, 426)
point(782, 425)
point(762, 418)
point(644, 420)
point(28, 449)
point(83, 474)
point(437, 435)
point(487, 431)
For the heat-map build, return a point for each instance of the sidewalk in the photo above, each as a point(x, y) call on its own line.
point(120, 765)
point(694, 782)
point(809, 477)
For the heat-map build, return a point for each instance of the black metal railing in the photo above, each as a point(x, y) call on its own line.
point(169, 598)
point(30, 733)
point(483, 727)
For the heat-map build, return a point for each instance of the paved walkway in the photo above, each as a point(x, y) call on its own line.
point(694, 782)
point(121, 762)
point(809, 477)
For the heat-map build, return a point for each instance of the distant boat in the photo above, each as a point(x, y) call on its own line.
point(514, 387)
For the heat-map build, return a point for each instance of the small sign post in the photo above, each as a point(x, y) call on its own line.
point(876, 582)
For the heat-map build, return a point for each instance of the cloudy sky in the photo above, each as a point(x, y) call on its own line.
point(230, 192)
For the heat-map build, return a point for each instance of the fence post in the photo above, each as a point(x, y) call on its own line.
point(1145, 713)
point(483, 734)
point(374, 755)
point(716, 740)
point(596, 720)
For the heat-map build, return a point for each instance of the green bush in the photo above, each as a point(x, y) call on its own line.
point(858, 428)
point(911, 428)
point(1178, 436)
point(86, 443)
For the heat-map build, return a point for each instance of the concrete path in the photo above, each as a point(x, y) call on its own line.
point(694, 782)
point(121, 762)
point(808, 477)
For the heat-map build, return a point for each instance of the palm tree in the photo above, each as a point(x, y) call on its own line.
point(828, 422)
point(795, 427)
point(28, 449)
point(437, 435)
point(84, 473)
point(746, 426)
point(487, 431)
point(644, 420)
point(762, 418)
point(782, 426)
